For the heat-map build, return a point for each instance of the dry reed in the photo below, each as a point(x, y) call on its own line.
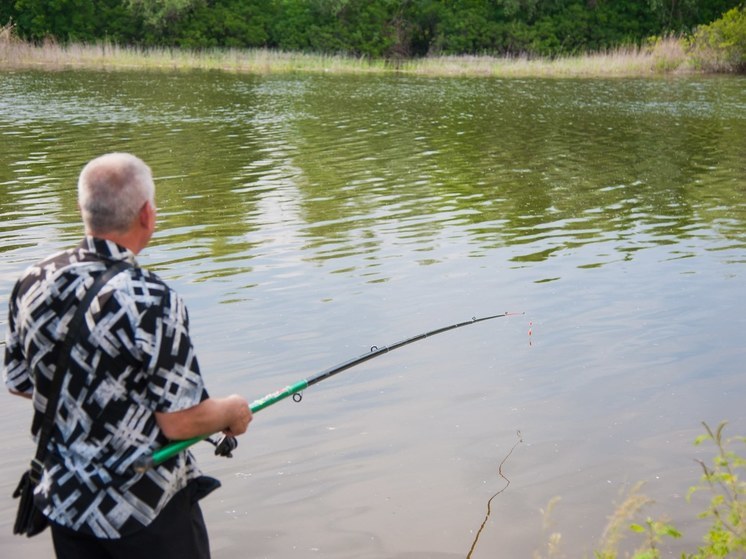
point(666, 56)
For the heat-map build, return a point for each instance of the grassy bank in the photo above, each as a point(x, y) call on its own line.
point(665, 57)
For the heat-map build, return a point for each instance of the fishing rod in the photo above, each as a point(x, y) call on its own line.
point(294, 390)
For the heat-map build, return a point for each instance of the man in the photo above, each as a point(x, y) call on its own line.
point(132, 383)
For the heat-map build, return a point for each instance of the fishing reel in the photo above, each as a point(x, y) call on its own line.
point(224, 446)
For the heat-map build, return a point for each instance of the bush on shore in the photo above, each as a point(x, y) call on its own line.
point(721, 45)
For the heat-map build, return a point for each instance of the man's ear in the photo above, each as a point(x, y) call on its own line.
point(145, 214)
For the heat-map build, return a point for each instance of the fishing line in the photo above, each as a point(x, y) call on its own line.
point(489, 502)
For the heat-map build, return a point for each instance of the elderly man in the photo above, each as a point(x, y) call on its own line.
point(132, 383)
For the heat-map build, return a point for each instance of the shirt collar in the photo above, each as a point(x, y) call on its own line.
point(107, 249)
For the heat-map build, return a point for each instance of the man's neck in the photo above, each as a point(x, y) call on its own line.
point(129, 240)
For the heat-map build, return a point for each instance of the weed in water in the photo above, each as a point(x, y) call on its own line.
point(726, 536)
point(726, 510)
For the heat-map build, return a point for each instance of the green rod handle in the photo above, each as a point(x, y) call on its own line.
point(175, 447)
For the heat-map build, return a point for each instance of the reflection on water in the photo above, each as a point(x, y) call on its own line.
point(347, 167)
point(306, 218)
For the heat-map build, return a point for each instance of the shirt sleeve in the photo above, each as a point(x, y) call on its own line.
point(175, 381)
point(15, 371)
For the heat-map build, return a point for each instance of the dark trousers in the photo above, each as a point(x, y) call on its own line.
point(178, 532)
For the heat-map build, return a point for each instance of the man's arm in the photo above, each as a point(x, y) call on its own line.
point(230, 415)
point(15, 372)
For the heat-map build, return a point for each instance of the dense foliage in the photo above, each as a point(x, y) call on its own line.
point(373, 28)
point(721, 45)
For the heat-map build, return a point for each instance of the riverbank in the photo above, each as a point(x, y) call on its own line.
point(667, 56)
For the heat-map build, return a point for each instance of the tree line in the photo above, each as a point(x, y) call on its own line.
point(370, 28)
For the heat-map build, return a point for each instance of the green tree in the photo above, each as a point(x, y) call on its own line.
point(682, 16)
point(375, 28)
point(291, 25)
point(223, 23)
point(368, 28)
point(64, 20)
point(424, 21)
point(160, 14)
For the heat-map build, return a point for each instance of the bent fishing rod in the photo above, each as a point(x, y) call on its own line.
point(175, 447)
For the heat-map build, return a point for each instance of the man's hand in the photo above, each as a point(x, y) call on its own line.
point(240, 413)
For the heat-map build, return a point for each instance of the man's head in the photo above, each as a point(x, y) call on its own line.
point(116, 195)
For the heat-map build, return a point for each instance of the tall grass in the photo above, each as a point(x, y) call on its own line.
point(666, 56)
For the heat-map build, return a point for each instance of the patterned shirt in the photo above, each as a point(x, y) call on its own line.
point(133, 357)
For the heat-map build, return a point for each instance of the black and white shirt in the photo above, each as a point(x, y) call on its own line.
point(133, 358)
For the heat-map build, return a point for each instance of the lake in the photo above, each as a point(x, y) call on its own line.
point(308, 218)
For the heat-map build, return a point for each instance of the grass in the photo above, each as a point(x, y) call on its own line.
point(725, 535)
point(666, 56)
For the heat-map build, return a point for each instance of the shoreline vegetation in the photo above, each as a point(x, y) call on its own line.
point(665, 56)
point(632, 533)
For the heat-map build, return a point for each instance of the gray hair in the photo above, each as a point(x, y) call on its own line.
point(111, 190)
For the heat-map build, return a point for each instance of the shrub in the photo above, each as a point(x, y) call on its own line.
point(721, 45)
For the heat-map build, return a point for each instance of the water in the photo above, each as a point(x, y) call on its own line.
point(307, 218)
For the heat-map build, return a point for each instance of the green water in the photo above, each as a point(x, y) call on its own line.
point(306, 218)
